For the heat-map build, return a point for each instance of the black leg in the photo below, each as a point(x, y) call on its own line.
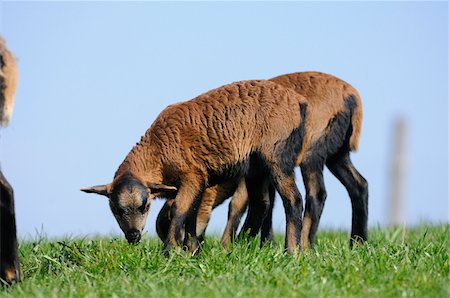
point(266, 229)
point(190, 239)
point(163, 220)
point(315, 199)
point(258, 205)
point(183, 214)
point(9, 260)
point(341, 166)
point(293, 206)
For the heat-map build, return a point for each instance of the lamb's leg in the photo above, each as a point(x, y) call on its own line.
point(258, 204)
point(190, 242)
point(163, 220)
point(184, 213)
point(342, 167)
point(315, 199)
point(212, 197)
point(204, 211)
point(236, 209)
point(266, 229)
point(293, 206)
point(261, 219)
point(10, 270)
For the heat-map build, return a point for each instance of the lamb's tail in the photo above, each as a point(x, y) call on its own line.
point(356, 124)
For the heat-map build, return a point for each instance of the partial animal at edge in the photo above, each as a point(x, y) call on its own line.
point(10, 270)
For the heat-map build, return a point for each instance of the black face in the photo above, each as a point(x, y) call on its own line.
point(130, 205)
point(129, 200)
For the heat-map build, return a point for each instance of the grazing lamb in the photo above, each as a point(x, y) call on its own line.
point(335, 112)
point(248, 129)
point(9, 260)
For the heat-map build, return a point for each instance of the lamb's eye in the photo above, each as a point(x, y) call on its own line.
point(145, 207)
point(117, 211)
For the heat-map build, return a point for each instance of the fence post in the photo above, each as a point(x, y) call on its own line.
point(397, 177)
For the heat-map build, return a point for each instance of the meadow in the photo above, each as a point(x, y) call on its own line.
point(394, 263)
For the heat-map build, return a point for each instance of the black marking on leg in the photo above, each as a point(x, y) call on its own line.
point(293, 206)
point(289, 149)
point(315, 196)
point(190, 239)
point(336, 137)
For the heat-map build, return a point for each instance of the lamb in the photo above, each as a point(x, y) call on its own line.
point(10, 270)
point(335, 113)
point(248, 129)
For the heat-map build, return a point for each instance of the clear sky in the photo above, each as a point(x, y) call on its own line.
point(94, 76)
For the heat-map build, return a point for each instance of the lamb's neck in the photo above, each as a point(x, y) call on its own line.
point(143, 164)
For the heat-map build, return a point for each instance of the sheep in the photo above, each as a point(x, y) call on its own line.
point(247, 129)
point(335, 113)
point(10, 270)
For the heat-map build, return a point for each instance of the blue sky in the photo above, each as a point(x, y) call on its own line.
point(94, 76)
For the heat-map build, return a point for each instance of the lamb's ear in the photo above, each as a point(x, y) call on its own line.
point(159, 189)
point(103, 190)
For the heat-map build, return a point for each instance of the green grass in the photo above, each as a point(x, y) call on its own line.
point(389, 265)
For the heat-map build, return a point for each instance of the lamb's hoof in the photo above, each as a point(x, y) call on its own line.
point(11, 275)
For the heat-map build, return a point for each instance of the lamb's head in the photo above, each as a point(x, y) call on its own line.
point(129, 200)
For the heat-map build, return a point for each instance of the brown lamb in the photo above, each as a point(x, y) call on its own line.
point(335, 115)
point(247, 129)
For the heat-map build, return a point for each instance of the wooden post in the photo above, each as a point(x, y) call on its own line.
point(397, 177)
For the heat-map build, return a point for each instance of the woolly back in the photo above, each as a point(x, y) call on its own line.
point(327, 96)
point(219, 128)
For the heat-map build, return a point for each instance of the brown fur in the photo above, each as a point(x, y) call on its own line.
point(213, 195)
point(260, 106)
point(325, 95)
point(10, 270)
point(9, 274)
point(9, 77)
point(212, 134)
point(326, 98)
point(305, 231)
point(235, 210)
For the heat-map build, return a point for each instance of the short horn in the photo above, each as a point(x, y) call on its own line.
point(103, 190)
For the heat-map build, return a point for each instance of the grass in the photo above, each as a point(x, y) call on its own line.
point(391, 264)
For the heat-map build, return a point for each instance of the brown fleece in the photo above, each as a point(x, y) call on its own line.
point(211, 133)
point(8, 78)
point(10, 270)
point(325, 95)
point(231, 122)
